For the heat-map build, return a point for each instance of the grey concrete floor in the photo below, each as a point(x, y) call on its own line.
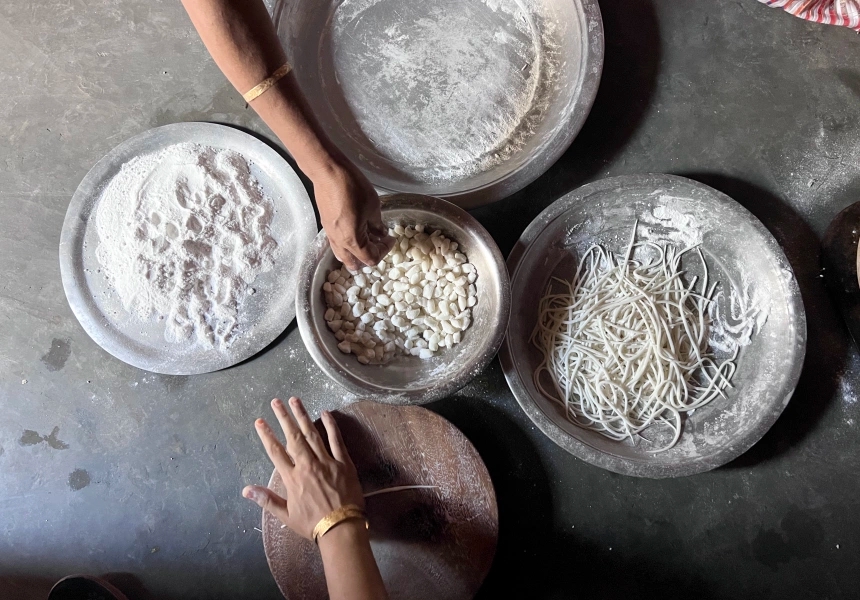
point(105, 468)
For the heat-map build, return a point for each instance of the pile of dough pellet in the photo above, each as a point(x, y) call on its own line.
point(417, 300)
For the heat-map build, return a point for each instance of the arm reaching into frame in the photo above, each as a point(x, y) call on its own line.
point(319, 483)
point(242, 40)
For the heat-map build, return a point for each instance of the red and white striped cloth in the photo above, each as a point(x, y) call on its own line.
point(829, 12)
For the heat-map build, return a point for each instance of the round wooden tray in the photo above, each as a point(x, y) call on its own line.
point(429, 543)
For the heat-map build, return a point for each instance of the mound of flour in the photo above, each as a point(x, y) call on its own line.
point(183, 233)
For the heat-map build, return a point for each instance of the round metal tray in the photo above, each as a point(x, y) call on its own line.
point(262, 317)
point(469, 100)
point(738, 249)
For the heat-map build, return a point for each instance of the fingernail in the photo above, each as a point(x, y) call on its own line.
point(295, 401)
point(260, 423)
point(277, 403)
point(250, 493)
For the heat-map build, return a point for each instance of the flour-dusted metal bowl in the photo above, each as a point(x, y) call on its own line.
point(740, 252)
point(468, 100)
point(408, 379)
point(262, 316)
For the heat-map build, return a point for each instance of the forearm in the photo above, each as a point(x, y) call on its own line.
point(350, 570)
point(242, 40)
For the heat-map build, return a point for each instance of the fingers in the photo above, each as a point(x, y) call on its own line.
point(377, 227)
point(267, 500)
point(346, 257)
point(379, 234)
point(306, 426)
point(297, 445)
point(383, 241)
point(371, 252)
point(387, 245)
point(363, 248)
point(338, 448)
point(274, 448)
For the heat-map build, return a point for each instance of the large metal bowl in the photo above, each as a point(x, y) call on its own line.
point(409, 380)
point(469, 100)
point(738, 249)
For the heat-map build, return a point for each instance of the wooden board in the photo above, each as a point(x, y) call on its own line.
point(431, 543)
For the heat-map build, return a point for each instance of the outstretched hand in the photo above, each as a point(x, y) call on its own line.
point(351, 216)
point(317, 482)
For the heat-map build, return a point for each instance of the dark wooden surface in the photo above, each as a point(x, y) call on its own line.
point(429, 543)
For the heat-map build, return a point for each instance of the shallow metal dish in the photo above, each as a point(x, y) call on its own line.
point(470, 100)
point(737, 248)
point(409, 380)
point(262, 317)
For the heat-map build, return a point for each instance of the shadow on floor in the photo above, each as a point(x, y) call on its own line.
point(827, 343)
point(129, 585)
point(630, 70)
point(37, 588)
point(534, 559)
point(273, 344)
point(25, 587)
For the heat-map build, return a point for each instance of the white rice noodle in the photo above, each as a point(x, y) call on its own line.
point(625, 343)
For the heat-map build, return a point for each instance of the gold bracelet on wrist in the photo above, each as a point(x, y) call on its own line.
point(267, 83)
point(337, 516)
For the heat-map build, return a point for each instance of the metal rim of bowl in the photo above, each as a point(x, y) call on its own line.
point(582, 450)
point(86, 198)
point(306, 294)
point(545, 156)
point(539, 164)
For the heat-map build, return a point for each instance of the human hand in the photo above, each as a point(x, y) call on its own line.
point(351, 215)
point(317, 482)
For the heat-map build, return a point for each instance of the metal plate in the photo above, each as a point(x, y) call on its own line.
point(469, 100)
point(430, 544)
point(407, 379)
point(737, 248)
point(262, 317)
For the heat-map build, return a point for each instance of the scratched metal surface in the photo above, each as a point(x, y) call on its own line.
point(470, 100)
point(739, 252)
point(105, 468)
point(261, 317)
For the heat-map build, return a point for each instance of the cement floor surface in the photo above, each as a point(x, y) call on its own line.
point(105, 468)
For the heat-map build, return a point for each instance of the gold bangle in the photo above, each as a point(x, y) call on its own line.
point(267, 83)
point(337, 516)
